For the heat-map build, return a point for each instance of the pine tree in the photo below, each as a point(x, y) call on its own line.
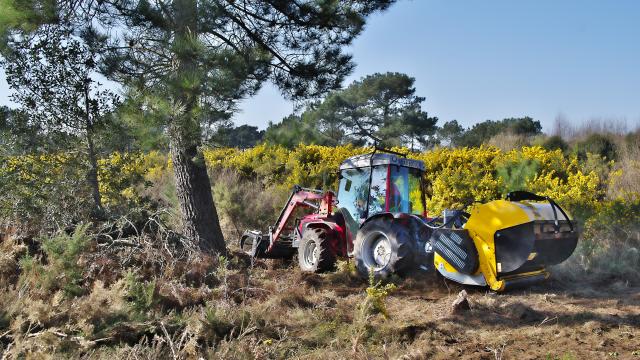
point(379, 107)
point(193, 60)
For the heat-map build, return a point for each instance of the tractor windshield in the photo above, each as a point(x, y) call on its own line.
point(393, 189)
point(353, 191)
point(396, 189)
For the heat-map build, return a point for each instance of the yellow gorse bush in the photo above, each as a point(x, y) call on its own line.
point(307, 165)
point(120, 173)
point(28, 168)
point(29, 179)
point(454, 177)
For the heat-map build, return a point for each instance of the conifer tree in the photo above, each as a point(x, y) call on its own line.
point(194, 59)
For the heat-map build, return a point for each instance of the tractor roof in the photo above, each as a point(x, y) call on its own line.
point(374, 159)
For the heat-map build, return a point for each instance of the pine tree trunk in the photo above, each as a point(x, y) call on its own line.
point(199, 215)
point(92, 176)
point(193, 187)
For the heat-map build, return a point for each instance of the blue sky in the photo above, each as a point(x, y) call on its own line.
point(479, 60)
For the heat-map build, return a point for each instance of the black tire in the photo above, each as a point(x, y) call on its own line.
point(384, 246)
point(314, 253)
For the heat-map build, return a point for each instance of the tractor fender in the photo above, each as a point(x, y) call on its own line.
point(380, 215)
point(331, 226)
point(394, 216)
point(414, 222)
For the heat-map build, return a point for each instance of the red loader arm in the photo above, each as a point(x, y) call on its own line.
point(300, 197)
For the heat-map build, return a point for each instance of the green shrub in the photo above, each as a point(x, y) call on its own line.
point(375, 302)
point(60, 271)
point(600, 144)
point(140, 294)
point(31, 271)
point(516, 173)
point(555, 142)
point(63, 252)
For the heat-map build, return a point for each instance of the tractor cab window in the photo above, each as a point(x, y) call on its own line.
point(353, 191)
point(409, 180)
point(395, 189)
point(378, 189)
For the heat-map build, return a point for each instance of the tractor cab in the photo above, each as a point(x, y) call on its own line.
point(380, 182)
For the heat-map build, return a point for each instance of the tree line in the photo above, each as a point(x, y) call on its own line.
point(380, 108)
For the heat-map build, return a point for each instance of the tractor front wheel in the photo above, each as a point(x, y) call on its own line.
point(315, 254)
point(383, 246)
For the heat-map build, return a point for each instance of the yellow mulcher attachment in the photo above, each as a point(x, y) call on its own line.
point(506, 243)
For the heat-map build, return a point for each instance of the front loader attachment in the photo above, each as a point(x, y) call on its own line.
point(516, 240)
point(279, 242)
point(256, 245)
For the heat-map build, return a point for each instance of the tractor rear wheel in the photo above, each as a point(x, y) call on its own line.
point(315, 254)
point(383, 246)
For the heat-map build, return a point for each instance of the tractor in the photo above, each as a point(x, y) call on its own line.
point(379, 219)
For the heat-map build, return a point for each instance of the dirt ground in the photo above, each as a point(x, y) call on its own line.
point(543, 322)
point(552, 320)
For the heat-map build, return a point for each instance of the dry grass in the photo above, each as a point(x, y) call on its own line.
point(267, 313)
point(507, 141)
point(624, 182)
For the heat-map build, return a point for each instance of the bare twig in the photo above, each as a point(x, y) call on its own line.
point(447, 285)
point(547, 319)
point(169, 341)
